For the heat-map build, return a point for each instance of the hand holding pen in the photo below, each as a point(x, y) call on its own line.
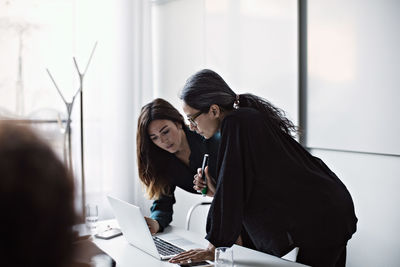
point(200, 184)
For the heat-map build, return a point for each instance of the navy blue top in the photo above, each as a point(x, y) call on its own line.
point(182, 175)
point(274, 188)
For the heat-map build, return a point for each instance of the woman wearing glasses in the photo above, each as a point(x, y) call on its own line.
point(267, 182)
point(168, 155)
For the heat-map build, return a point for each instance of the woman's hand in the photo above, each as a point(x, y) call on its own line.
point(153, 225)
point(199, 183)
point(195, 255)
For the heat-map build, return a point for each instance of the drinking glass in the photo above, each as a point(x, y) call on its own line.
point(224, 257)
point(92, 216)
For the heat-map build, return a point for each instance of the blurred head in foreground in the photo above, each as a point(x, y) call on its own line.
point(36, 201)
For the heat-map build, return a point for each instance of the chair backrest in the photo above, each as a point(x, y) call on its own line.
point(199, 213)
point(292, 255)
point(184, 203)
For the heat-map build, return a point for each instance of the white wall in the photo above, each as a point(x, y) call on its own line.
point(253, 46)
point(178, 45)
point(353, 75)
point(373, 182)
point(353, 97)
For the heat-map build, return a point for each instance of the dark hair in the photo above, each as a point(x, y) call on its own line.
point(36, 199)
point(206, 88)
point(151, 159)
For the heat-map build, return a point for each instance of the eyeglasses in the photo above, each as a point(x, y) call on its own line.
point(193, 117)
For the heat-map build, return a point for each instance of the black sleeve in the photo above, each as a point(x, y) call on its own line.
point(162, 211)
point(212, 146)
point(224, 222)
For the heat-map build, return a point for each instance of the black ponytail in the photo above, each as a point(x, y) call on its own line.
point(275, 115)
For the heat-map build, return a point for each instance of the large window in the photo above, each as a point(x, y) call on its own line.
point(37, 35)
point(38, 40)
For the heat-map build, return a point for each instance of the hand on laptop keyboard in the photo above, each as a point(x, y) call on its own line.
point(193, 255)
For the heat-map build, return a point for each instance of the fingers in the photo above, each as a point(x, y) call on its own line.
point(183, 257)
point(152, 231)
point(147, 221)
point(199, 187)
point(152, 224)
point(198, 181)
point(193, 255)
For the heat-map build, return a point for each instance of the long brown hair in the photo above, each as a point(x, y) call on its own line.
point(152, 160)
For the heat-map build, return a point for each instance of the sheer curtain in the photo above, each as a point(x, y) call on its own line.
point(118, 83)
point(48, 34)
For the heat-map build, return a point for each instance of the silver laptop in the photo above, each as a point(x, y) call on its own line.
point(135, 230)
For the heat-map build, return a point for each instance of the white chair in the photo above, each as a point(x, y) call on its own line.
point(192, 209)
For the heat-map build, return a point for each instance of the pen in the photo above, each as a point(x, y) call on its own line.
point(203, 166)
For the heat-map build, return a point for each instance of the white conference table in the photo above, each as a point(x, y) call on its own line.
point(127, 255)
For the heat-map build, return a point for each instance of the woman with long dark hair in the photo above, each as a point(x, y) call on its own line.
point(267, 182)
point(168, 155)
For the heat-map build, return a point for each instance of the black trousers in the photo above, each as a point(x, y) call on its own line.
point(322, 256)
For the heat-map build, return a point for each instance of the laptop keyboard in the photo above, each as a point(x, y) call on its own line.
point(165, 248)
